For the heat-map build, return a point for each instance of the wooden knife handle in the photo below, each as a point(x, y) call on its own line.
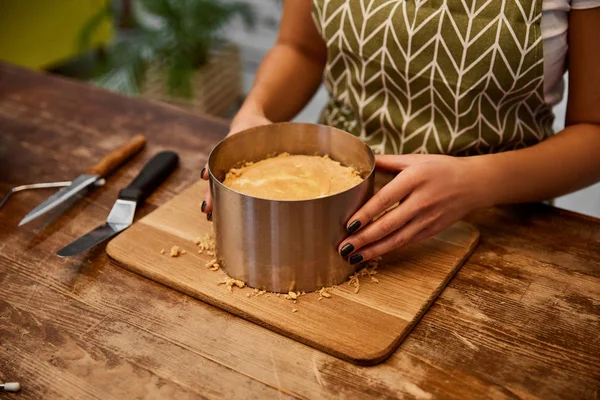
point(112, 161)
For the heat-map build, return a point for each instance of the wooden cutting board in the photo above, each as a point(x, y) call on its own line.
point(363, 328)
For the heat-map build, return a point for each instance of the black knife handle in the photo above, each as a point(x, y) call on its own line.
point(150, 177)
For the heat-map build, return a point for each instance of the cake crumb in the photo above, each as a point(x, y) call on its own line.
point(292, 295)
point(369, 270)
point(248, 295)
point(294, 310)
point(162, 251)
point(175, 251)
point(206, 243)
point(213, 265)
point(182, 252)
point(230, 283)
point(354, 280)
point(324, 293)
point(235, 172)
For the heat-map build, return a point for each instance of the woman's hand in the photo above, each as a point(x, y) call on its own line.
point(433, 192)
point(240, 122)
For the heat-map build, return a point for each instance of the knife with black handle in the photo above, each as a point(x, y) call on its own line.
point(121, 215)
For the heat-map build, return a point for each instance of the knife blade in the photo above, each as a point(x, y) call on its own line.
point(101, 170)
point(123, 211)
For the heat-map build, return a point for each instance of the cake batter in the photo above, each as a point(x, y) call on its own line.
point(292, 177)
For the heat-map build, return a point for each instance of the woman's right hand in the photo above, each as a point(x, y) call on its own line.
point(239, 123)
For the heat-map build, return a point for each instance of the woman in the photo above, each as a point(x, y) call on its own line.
point(456, 95)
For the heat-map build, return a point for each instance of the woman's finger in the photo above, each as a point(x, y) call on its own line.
point(382, 227)
point(428, 231)
point(397, 163)
point(389, 195)
point(207, 203)
point(238, 125)
point(398, 239)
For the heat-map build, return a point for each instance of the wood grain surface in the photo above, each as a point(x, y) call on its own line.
point(519, 320)
point(363, 328)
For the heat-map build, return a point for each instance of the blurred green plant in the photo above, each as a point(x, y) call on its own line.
point(176, 35)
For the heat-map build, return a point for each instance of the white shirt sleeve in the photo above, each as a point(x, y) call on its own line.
point(584, 4)
point(555, 26)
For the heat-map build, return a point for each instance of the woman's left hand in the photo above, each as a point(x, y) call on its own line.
point(433, 192)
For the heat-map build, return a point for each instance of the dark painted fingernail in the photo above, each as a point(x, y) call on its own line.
point(346, 249)
point(203, 206)
point(353, 227)
point(202, 173)
point(209, 216)
point(355, 259)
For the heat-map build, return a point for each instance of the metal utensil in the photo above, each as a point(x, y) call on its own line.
point(45, 185)
point(283, 246)
point(10, 387)
point(101, 170)
point(121, 215)
point(17, 189)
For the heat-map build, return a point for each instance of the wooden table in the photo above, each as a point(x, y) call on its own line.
point(520, 320)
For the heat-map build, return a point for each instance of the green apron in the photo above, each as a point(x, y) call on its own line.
point(439, 76)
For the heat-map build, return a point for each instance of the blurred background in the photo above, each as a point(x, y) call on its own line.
point(199, 55)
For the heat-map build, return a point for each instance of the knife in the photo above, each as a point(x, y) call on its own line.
point(121, 215)
point(92, 175)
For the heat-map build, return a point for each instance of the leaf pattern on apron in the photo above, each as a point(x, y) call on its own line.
point(435, 76)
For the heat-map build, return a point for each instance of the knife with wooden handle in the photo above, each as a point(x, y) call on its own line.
point(100, 170)
point(121, 215)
